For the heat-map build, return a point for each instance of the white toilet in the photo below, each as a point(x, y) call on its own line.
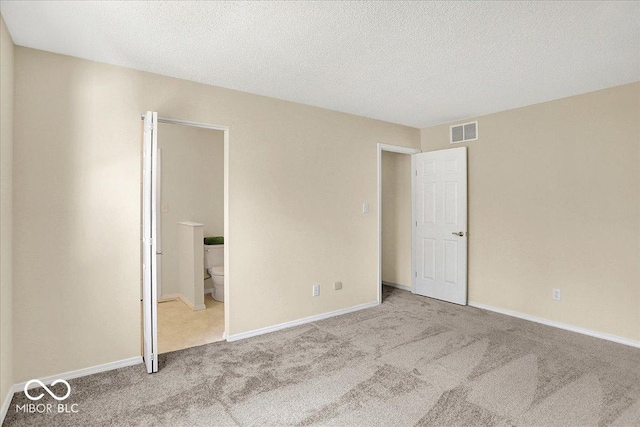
point(214, 263)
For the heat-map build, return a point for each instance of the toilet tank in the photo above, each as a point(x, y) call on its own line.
point(213, 256)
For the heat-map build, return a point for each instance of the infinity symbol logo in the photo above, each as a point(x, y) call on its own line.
point(52, 394)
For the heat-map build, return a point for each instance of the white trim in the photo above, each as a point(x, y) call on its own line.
point(5, 405)
point(414, 220)
point(168, 297)
point(132, 361)
point(178, 295)
point(401, 150)
point(227, 236)
point(560, 325)
point(188, 123)
point(398, 149)
point(190, 305)
point(395, 285)
point(379, 186)
point(298, 322)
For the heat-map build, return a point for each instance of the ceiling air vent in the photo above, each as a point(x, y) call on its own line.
point(464, 132)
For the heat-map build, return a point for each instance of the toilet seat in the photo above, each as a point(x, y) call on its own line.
point(217, 271)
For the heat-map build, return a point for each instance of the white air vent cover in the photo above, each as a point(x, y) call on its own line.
point(464, 132)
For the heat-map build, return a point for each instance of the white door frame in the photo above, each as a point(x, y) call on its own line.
point(227, 239)
point(401, 150)
point(148, 246)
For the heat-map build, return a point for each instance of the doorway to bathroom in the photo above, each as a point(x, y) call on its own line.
point(185, 235)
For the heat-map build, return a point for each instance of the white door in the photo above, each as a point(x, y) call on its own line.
point(440, 238)
point(149, 235)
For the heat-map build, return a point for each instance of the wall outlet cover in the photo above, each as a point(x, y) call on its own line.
point(556, 294)
point(316, 290)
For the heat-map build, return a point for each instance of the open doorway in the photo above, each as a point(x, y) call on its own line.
point(396, 220)
point(395, 210)
point(191, 197)
point(438, 222)
point(185, 245)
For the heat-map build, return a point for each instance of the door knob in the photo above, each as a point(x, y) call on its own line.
point(459, 233)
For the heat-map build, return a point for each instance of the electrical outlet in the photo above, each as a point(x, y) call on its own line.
point(556, 295)
point(337, 286)
point(365, 208)
point(316, 290)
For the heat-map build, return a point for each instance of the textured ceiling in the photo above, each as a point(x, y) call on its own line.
point(413, 63)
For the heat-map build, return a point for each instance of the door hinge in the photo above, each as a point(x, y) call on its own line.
point(416, 223)
point(416, 274)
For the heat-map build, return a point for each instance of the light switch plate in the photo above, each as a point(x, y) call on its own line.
point(165, 207)
point(365, 208)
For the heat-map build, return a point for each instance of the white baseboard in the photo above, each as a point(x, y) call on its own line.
point(168, 297)
point(83, 372)
point(191, 306)
point(302, 321)
point(566, 326)
point(5, 405)
point(395, 285)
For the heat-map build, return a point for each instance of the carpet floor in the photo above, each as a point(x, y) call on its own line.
point(412, 361)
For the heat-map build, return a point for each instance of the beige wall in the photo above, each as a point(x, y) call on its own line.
point(298, 178)
point(6, 215)
point(396, 218)
point(554, 202)
point(192, 187)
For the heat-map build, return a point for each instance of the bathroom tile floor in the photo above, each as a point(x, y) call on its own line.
point(180, 327)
